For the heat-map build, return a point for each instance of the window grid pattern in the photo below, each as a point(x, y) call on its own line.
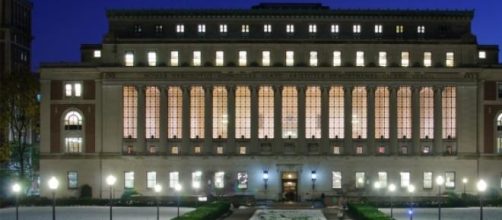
point(174, 112)
point(404, 112)
point(130, 111)
point(197, 114)
point(426, 113)
point(359, 112)
point(242, 112)
point(220, 112)
point(289, 112)
point(152, 112)
point(151, 179)
point(313, 112)
point(266, 112)
point(449, 97)
point(73, 144)
point(336, 112)
point(382, 112)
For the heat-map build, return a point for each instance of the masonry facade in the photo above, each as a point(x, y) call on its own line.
point(281, 101)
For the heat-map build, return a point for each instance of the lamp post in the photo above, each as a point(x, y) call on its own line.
point(465, 181)
point(178, 189)
point(265, 179)
point(314, 178)
point(110, 181)
point(439, 182)
point(411, 190)
point(16, 188)
point(158, 189)
point(481, 185)
point(53, 185)
point(391, 189)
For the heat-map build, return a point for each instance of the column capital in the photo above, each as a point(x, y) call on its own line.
point(348, 89)
point(186, 88)
point(393, 88)
point(231, 88)
point(208, 89)
point(277, 88)
point(438, 88)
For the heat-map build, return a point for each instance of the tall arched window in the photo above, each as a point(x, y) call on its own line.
point(499, 133)
point(197, 106)
point(359, 112)
point(313, 112)
point(220, 112)
point(289, 112)
point(336, 112)
point(382, 112)
point(72, 134)
point(265, 112)
point(426, 113)
point(242, 112)
point(152, 112)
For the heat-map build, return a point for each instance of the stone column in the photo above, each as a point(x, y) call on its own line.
point(231, 147)
point(415, 119)
point(208, 121)
point(393, 148)
point(163, 119)
point(438, 122)
point(302, 144)
point(141, 119)
point(254, 145)
point(325, 147)
point(185, 147)
point(371, 120)
point(277, 140)
point(348, 148)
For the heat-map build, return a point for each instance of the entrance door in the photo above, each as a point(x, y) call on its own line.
point(289, 186)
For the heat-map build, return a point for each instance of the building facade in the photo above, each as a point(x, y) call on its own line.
point(281, 101)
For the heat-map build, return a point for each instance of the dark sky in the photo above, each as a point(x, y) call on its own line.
point(60, 26)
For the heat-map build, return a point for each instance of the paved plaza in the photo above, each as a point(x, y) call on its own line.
point(490, 213)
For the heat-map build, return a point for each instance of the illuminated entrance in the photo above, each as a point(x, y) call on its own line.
point(289, 184)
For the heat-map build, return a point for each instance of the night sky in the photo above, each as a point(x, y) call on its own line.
point(60, 26)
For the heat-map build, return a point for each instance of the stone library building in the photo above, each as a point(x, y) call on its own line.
point(279, 101)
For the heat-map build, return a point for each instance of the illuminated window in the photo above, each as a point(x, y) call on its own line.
point(405, 59)
point(356, 29)
point(180, 28)
point(290, 58)
point(312, 28)
point(336, 112)
point(73, 144)
point(151, 179)
point(219, 58)
point(337, 58)
point(159, 28)
point(378, 28)
point(499, 130)
point(405, 179)
point(97, 53)
point(450, 59)
point(289, 112)
point(130, 111)
point(174, 112)
point(152, 112)
point(175, 150)
point(73, 89)
point(427, 180)
point(220, 112)
point(404, 112)
point(290, 28)
point(427, 59)
point(138, 28)
point(197, 149)
point(313, 58)
point(449, 182)
point(313, 112)
point(337, 150)
point(449, 97)
point(219, 150)
point(245, 28)
point(129, 180)
point(174, 58)
point(219, 180)
point(337, 180)
point(152, 58)
point(421, 29)
point(242, 150)
point(174, 179)
point(72, 179)
point(197, 57)
point(242, 112)
point(242, 180)
point(382, 112)
point(399, 29)
point(129, 59)
point(359, 150)
point(482, 54)
point(266, 112)
point(359, 58)
point(359, 112)
point(335, 29)
point(223, 28)
point(360, 180)
point(197, 106)
point(382, 58)
point(197, 179)
point(201, 28)
point(426, 113)
point(73, 121)
point(267, 28)
point(382, 179)
point(243, 58)
point(265, 58)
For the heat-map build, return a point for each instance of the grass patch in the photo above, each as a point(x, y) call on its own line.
point(209, 211)
point(365, 211)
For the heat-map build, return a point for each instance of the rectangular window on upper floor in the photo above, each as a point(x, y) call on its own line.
point(196, 58)
point(129, 59)
point(174, 61)
point(421, 29)
point(159, 28)
point(399, 29)
point(180, 28)
point(219, 58)
point(337, 58)
point(290, 28)
point(265, 58)
point(267, 28)
point(243, 58)
point(356, 28)
point(97, 54)
point(223, 28)
point(382, 58)
point(450, 59)
point(245, 28)
point(405, 59)
point(378, 28)
point(359, 58)
point(312, 28)
point(138, 28)
point(201, 28)
point(290, 58)
point(73, 89)
point(152, 58)
point(427, 59)
point(335, 29)
point(482, 55)
point(313, 58)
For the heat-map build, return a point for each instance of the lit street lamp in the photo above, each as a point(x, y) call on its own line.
point(178, 189)
point(314, 178)
point(439, 182)
point(391, 189)
point(110, 181)
point(411, 190)
point(465, 181)
point(16, 189)
point(158, 189)
point(481, 185)
point(265, 178)
point(53, 185)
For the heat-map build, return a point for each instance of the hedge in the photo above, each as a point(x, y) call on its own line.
point(366, 212)
point(209, 211)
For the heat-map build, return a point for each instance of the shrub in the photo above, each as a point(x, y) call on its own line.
point(209, 211)
point(367, 212)
point(86, 192)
